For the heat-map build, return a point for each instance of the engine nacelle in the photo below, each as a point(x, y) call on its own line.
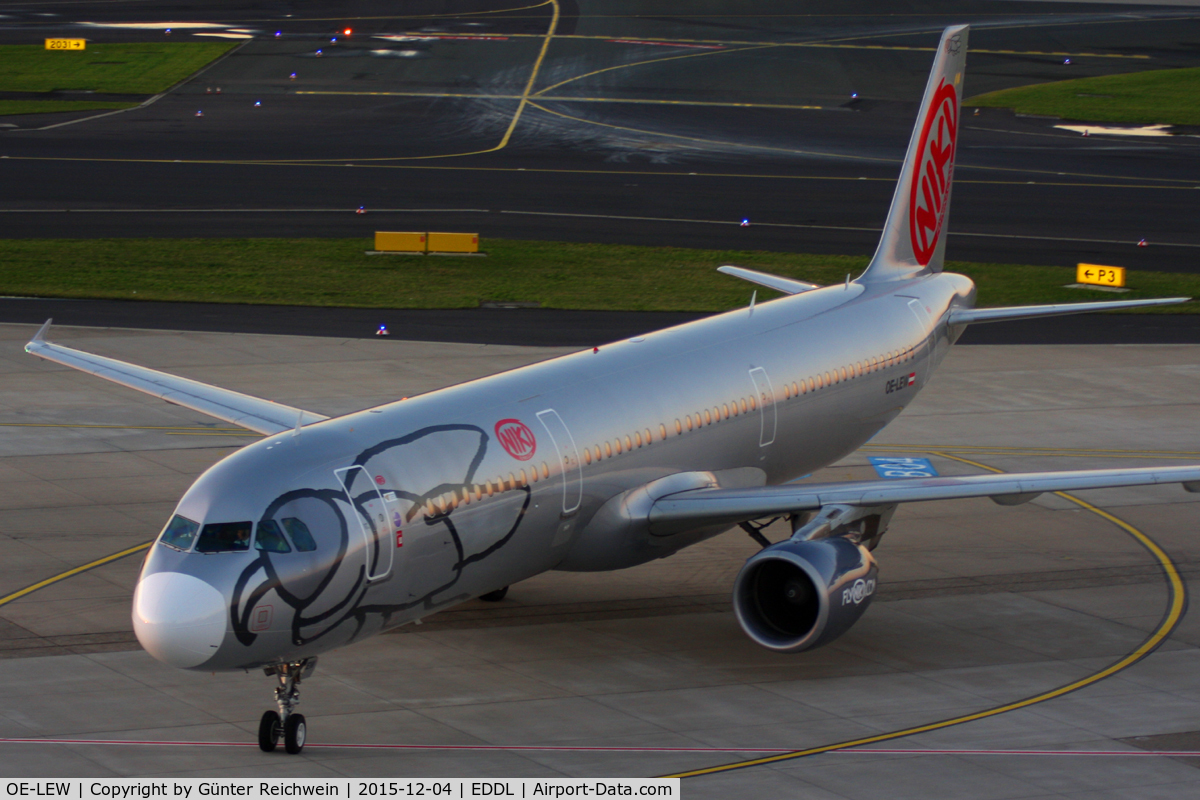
point(796, 595)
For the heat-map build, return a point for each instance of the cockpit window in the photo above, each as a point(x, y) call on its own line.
point(270, 538)
point(224, 537)
point(300, 535)
point(179, 533)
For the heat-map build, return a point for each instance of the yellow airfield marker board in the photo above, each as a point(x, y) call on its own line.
point(1100, 275)
point(66, 44)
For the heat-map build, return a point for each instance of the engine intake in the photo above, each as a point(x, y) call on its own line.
point(796, 595)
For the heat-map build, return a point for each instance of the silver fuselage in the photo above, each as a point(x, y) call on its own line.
point(433, 500)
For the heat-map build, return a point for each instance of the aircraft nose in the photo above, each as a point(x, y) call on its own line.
point(178, 618)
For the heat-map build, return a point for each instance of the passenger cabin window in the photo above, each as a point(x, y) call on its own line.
point(299, 532)
point(270, 538)
point(179, 533)
point(224, 537)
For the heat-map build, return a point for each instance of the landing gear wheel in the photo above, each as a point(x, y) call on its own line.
point(494, 597)
point(268, 731)
point(294, 733)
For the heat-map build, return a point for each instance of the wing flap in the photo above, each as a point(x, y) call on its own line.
point(254, 413)
point(704, 507)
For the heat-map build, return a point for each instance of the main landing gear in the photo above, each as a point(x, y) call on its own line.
point(287, 695)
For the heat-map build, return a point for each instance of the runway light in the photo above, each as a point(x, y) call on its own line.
point(383, 331)
point(278, 34)
point(292, 77)
point(1066, 61)
point(361, 210)
point(218, 90)
point(854, 95)
point(167, 31)
point(346, 32)
point(745, 223)
point(257, 103)
point(318, 53)
point(199, 113)
point(333, 40)
point(1142, 243)
point(208, 90)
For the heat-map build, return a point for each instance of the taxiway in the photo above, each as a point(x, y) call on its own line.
point(981, 606)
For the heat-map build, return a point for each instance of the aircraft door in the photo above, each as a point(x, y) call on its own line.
point(364, 497)
point(923, 318)
point(568, 459)
point(766, 405)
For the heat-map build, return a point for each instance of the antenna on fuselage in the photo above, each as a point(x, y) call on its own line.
point(753, 297)
point(299, 424)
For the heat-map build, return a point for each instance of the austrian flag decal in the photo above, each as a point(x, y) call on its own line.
point(516, 439)
point(912, 378)
point(932, 170)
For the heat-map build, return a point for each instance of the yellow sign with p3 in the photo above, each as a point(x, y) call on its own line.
point(66, 44)
point(1100, 275)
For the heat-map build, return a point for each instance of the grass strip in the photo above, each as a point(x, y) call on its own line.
point(1165, 96)
point(136, 68)
point(10, 108)
point(337, 272)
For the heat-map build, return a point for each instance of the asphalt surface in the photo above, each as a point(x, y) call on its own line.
point(1017, 626)
point(628, 131)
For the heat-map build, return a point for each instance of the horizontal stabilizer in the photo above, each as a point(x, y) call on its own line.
point(779, 284)
point(704, 507)
point(256, 414)
point(966, 316)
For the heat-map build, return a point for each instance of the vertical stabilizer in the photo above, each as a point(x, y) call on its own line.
point(914, 238)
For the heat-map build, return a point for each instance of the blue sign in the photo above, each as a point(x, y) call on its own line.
point(902, 467)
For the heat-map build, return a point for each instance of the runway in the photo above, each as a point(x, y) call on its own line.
point(640, 672)
point(591, 122)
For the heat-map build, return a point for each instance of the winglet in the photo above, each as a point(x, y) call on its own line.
point(40, 336)
point(914, 237)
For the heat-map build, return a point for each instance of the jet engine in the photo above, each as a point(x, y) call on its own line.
point(799, 594)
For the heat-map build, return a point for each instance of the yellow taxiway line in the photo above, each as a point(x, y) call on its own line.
point(62, 576)
point(1177, 602)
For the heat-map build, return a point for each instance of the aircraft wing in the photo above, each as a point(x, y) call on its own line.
point(262, 416)
point(965, 316)
point(702, 507)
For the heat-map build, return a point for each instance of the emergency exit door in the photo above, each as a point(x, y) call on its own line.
point(766, 405)
point(568, 459)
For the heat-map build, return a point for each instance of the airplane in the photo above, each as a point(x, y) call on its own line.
point(328, 531)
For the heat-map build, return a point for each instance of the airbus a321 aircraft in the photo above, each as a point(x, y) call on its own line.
point(332, 530)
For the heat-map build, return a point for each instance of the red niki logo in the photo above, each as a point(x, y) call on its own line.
point(934, 166)
point(516, 438)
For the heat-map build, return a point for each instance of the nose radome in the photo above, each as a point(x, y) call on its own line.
point(179, 619)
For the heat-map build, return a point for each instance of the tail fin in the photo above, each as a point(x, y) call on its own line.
point(914, 238)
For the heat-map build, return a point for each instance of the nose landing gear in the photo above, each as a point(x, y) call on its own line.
point(287, 695)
